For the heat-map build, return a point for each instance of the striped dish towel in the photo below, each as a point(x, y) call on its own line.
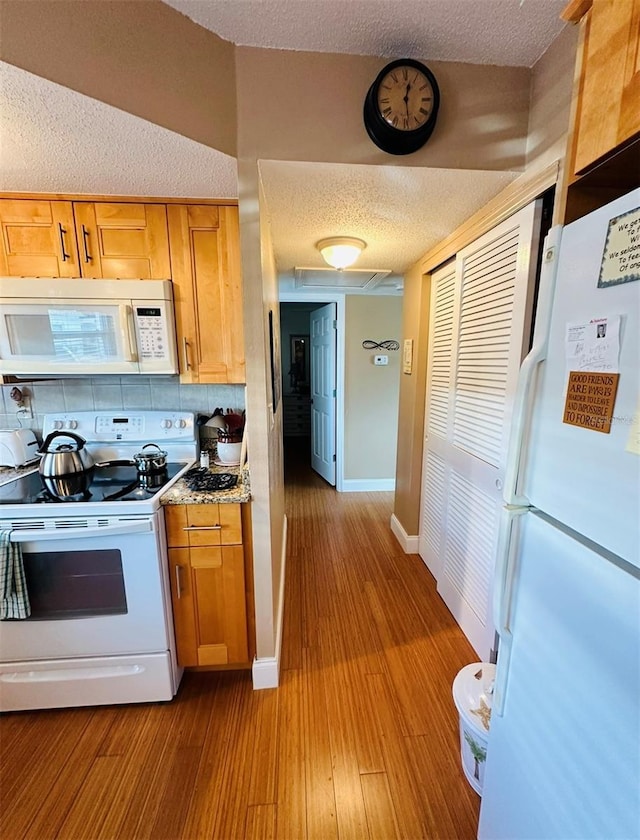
point(14, 599)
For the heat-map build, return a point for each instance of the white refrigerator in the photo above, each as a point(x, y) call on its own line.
point(563, 757)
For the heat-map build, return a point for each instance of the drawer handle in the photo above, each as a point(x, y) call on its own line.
point(203, 528)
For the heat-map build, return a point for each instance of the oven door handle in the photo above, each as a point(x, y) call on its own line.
point(23, 536)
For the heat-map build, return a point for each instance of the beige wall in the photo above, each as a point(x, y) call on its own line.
point(264, 426)
point(308, 106)
point(371, 392)
point(142, 57)
point(551, 89)
point(415, 325)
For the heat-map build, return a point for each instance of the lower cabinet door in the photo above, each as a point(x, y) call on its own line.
point(221, 620)
point(183, 602)
point(209, 607)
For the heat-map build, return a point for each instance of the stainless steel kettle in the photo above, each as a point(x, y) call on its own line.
point(64, 458)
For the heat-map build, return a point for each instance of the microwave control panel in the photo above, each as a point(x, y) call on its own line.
point(151, 328)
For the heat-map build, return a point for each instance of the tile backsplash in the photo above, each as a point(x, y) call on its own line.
point(117, 393)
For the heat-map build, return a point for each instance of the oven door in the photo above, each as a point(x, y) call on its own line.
point(95, 586)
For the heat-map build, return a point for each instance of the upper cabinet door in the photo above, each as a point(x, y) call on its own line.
point(38, 239)
point(207, 282)
point(127, 241)
point(609, 96)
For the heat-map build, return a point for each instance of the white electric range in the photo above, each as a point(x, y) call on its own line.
point(100, 629)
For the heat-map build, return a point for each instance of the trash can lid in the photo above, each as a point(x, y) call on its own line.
point(473, 694)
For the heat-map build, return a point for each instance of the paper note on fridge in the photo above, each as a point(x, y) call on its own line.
point(633, 443)
point(594, 345)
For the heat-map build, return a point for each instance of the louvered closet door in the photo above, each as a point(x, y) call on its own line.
point(435, 474)
point(479, 331)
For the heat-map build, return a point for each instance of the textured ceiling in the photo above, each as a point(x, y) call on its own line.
point(400, 212)
point(503, 32)
point(56, 140)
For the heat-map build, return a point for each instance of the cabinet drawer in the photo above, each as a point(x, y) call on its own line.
point(202, 525)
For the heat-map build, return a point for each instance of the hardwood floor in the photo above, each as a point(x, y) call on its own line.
point(360, 740)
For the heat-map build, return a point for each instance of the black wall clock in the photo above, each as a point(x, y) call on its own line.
point(401, 107)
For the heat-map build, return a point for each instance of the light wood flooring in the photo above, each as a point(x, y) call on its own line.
point(360, 740)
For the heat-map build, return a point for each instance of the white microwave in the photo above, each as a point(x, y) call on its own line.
point(58, 326)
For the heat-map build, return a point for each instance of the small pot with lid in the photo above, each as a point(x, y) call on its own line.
point(153, 460)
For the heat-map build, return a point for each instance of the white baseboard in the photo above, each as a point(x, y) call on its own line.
point(265, 672)
point(365, 485)
point(408, 543)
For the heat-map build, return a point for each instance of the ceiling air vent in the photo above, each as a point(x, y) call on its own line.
point(330, 278)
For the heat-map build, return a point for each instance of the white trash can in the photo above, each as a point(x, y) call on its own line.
point(473, 696)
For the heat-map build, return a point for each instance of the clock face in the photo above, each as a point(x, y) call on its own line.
point(405, 98)
point(401, 107)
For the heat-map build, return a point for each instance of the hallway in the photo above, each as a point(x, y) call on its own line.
point(373, 651)
point(360, 740)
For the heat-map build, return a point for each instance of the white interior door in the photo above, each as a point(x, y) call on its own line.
point(479, 330)
point(323, 391)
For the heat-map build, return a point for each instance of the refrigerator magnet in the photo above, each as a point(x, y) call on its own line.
point(621, 257)
point(590, 400)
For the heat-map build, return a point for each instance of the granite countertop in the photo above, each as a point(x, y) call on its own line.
point(180, 494)
point(9, 473)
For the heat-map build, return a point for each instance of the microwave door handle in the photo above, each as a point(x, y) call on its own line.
point(129, 345)
point(32, 536)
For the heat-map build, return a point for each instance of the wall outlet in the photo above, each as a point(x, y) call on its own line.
point(24, 410)
point(380, 360)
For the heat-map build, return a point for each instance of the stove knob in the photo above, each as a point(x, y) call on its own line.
point(181, 424)
point(72, 424)
point(58, 424)
point(166, 424)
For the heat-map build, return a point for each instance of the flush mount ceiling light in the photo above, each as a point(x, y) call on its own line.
point(340, 251)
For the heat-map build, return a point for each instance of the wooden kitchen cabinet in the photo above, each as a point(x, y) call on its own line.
point(122, 240)
point(84, 239)
point(38, 239)
point(208, 584)
point(608, 98)
point(207, 282)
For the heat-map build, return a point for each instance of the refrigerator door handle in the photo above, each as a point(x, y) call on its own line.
point(526, 377)
point(504, 587)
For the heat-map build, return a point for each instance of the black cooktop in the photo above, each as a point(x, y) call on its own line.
point(102, 484)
